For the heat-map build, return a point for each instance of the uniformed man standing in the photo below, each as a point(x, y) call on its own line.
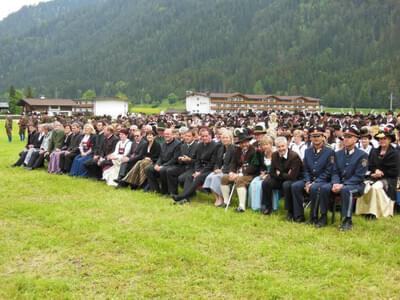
point(318, 166)
point(8, 126)
point(350, 167)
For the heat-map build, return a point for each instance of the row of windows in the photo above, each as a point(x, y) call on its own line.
point(264, 105)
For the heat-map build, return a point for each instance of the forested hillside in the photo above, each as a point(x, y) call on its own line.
point(346, 52)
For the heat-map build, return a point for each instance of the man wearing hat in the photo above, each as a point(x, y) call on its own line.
point(350, 167)
point(245, 165)
point(160, 133)
point(259, 133)
point(318, 165)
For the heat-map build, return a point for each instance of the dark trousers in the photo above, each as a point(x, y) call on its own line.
point(37, 160)
point(66, 161)
point(152, 179)
point(273, 184)
point(190, 185)
point(173, 173)
point(316, 198)
point(94, 170)
point(346, 196)
point(21, 158)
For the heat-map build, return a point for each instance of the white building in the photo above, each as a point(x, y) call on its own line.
point(210, 103)
point(198, 103)
point(104, 106)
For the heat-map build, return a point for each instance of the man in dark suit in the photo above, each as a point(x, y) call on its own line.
point(318, 166)
point(351, 165)
point(94, 166)
point(67, 157)
point(169, 154)
point(91, 164)
point(286, 167)
point(33, 142)
point(138, 149)
point(204, 165)
point(184, 165)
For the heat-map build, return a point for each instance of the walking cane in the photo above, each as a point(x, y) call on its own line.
point(230, 197)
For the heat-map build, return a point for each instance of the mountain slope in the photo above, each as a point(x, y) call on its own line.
point(346, 52)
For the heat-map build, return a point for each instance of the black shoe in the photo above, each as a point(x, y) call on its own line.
point(346, 225)
point(322, 222)
point(118, 187)
point(289, 217)
point(29, 168)
point(300, 219)
point(117, 181)
point(180, 202)
point(267, 212)
point(222, 205)
point(312, 221)
point(176, 198)
point(133, 187)
point(13, 166)
point(239, 210)
point(370, 217)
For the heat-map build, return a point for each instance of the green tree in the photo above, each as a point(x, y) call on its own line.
point(11, 92)
point(89, 94)
point(13, 100)
point(28, 92)
point(172, 98)
point(258, 88)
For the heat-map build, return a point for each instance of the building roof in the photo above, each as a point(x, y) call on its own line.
point(110, 99)
point(46, 102)
point(254, 97)
point(4, 105)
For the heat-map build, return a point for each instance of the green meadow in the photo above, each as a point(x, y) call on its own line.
point(69, 238)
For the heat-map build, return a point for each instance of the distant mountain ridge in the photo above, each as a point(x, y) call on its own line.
point(346, 52)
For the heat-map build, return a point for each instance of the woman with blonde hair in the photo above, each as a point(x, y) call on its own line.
point(86, 147)
point(267, 144)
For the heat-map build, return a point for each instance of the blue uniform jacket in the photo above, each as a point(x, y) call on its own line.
point(350, 169)
point(318, 167)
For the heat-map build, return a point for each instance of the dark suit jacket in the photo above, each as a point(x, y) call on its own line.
point(293, 164)
point(205, 157)
point(66, 142)
point(187, 150)
point(249, 162)
point(137, 153)
point(169, 153)
point(32, 139)
point(154, 152)
point(97, 150)
point(74, 144)
point(224, 158)
point(108, 145)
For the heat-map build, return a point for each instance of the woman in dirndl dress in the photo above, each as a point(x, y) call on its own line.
point(86, 147)
point(381, 193)
point(122, 149)
point(224, 158)
point(255, 188)
point(136, 176)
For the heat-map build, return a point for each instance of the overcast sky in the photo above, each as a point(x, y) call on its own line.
point(9, 6)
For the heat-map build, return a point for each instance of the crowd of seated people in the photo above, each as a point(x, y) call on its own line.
point(309, 158)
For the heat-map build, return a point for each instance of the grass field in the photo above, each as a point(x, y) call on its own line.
point(68, 238)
